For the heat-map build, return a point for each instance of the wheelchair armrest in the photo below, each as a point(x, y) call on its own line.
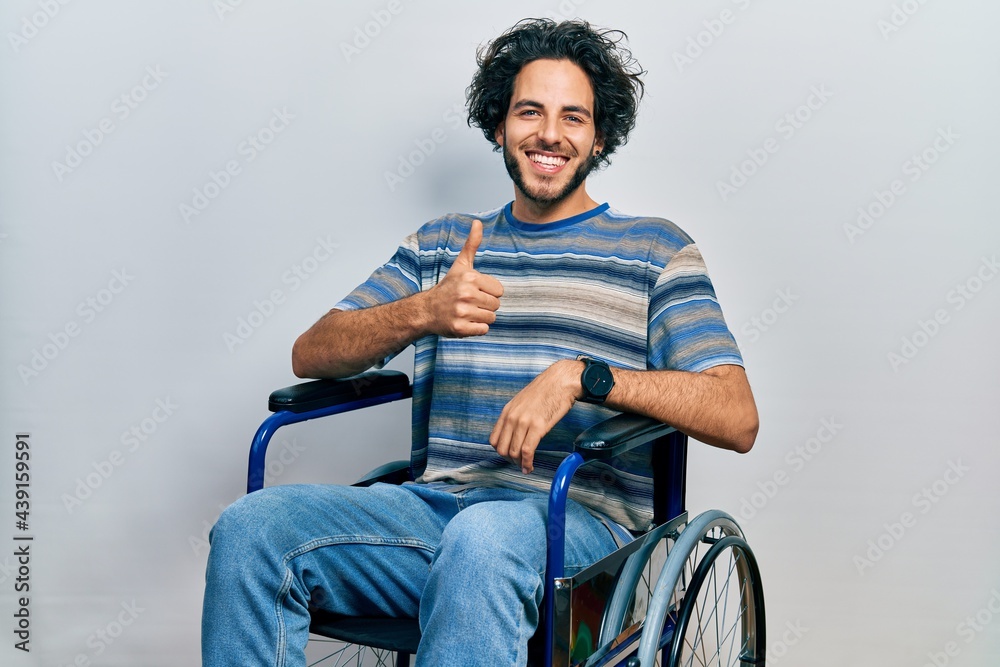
point(394, 472)
point(618, 435)
point(318, 394)
point(321, 398)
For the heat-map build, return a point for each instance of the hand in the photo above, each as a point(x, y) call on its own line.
point(465, 302)
point(533, 412)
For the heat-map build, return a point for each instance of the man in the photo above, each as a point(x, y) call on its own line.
point(531, 322)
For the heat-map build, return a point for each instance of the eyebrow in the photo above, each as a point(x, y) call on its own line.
point(572, 108)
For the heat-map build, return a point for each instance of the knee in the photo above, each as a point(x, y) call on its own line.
point(484, 563)
point(481, 535)
point(251, 520)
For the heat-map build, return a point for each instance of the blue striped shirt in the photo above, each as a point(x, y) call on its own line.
point(631, 291)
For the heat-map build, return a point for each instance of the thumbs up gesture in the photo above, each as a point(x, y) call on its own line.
point(465, 301)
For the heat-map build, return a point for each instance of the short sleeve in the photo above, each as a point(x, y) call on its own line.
point(396, 279)
point(687, 330)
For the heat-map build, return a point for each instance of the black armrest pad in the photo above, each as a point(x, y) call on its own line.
point(394, 472)
point(317, 394)
point(619, 434)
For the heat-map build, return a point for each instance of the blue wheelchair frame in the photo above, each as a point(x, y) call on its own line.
point(321, 398)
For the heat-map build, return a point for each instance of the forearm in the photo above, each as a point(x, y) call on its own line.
point(344, 343)
point(715, 406)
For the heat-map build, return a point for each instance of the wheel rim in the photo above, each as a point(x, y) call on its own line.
point(721, 619)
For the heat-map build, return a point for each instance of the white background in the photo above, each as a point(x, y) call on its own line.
point(839, 565)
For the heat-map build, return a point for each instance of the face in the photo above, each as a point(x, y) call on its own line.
point(548, 136)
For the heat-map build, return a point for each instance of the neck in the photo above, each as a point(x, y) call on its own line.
point(527, 210)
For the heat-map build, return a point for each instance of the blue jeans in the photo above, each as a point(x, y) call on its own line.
point(469, 564)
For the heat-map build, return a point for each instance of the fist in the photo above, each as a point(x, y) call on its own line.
point(465, 302)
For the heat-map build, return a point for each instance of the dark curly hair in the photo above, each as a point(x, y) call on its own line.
point(613, 73)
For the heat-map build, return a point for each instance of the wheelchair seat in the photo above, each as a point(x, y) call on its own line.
point(398, 635)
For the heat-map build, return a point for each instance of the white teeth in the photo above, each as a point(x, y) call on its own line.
point(550, 160)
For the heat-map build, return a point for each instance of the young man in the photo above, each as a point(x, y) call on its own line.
point(531, 322)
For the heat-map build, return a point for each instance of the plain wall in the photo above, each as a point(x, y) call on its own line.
point(836, 163)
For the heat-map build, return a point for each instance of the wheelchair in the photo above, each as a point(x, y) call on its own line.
point(686, 592)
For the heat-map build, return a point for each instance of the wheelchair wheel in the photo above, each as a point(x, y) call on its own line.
point(698, 585)
point(324, 652)
point(633, 587)
point(721, 620)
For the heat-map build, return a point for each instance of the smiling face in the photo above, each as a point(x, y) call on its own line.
point(549, 140)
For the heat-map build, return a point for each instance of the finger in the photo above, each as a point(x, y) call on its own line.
point(506, 436)
point(498, 429)
point(518, 438)
point(475, 315)
point(528, 457)
point(467, 256)
point(527, 442)
point(469, 330)
point(490, 285)
point(499, 436)
point(485, 301)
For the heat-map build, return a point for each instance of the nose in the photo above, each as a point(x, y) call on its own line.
point(549, 132)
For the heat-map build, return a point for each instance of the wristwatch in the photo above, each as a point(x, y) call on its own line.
point(596, 379)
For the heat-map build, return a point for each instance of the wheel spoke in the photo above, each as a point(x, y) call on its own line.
point(717, 617)
point(352, 654)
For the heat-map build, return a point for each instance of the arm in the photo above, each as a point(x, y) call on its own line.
point(342, 343)
point(715, 406)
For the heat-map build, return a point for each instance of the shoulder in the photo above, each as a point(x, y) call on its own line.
point(660, 238)
point(446, 230)
point(653, 227)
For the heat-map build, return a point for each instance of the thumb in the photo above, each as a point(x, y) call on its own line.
point(467, 255)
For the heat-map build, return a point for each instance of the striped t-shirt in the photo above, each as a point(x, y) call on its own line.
point(631, 291)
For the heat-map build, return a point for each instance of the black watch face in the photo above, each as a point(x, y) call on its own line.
point(597, 381)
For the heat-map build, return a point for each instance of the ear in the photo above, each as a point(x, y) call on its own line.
point(498, 134)
point(599, 143)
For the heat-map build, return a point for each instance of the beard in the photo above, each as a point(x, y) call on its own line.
point(543, 196)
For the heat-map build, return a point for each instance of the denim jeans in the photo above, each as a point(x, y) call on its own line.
point(468, 563)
